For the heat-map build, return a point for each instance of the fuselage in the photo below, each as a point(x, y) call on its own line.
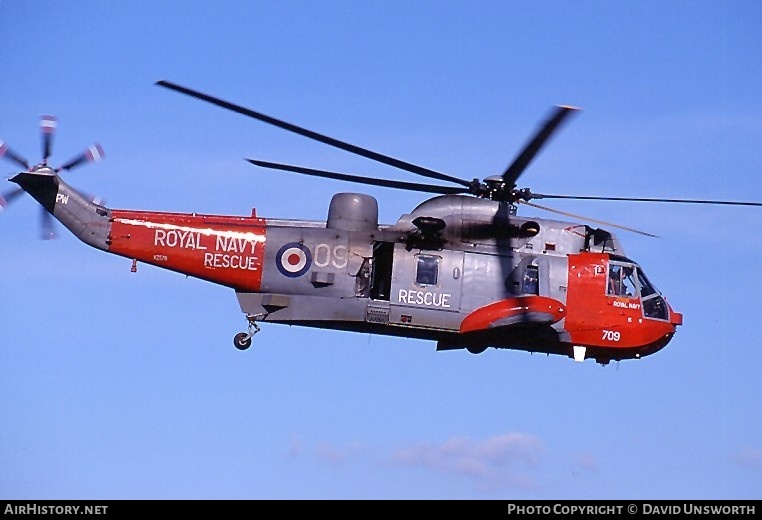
point(473, 275)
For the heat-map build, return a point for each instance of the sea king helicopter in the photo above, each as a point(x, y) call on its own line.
point(462, 269)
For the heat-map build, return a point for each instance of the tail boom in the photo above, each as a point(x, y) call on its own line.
point(88, 221)
point(224, 250)
point(227, 250)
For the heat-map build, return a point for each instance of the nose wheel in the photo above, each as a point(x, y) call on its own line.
point(242, 340)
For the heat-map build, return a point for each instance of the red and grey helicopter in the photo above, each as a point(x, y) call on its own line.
point(462, 269)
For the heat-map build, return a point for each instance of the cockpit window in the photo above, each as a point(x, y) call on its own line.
point(629, 281)
point(646, 289)
point(655, 307)
point(621, 281)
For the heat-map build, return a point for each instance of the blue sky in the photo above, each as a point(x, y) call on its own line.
point(120, 385)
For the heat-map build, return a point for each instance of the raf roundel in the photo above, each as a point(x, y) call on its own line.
point(293, 259)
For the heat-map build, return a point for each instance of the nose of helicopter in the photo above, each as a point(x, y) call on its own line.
point(675, 318)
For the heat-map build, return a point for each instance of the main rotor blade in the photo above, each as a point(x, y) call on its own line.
point(519, 164)
point(13, 156)
point(391, 161)
point(7, 197)
point(93, 154)
point(412, 186)
point(587, 218)
point(647, 199)
point(48, 125)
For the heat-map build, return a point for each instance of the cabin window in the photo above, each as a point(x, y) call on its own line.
point(381, 270)
point(427, 271)
point(621, 281)
point(530, 283)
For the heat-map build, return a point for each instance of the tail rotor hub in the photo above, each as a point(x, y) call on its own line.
point(48, 125)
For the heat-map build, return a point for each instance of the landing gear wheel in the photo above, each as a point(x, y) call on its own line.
point(242, 341)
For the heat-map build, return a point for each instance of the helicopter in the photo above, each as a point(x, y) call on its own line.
point(462, 269)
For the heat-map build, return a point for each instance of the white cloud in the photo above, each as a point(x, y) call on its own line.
point(295, 448)
point(491, 462)
point(494, 463)
point(337, 456)
point(750, 458)
point(331, 454)
point(587, 462)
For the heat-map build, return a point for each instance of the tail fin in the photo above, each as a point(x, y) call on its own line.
point(88, 221)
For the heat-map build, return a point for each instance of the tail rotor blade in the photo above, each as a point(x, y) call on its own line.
point(13, 156)
point(95, 199)
point(47, 226)
point(93, 154)
point(48, 125)
point(7, 198)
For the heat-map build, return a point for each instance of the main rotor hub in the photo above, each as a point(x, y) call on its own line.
point(492, 188)
point(497, 189)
